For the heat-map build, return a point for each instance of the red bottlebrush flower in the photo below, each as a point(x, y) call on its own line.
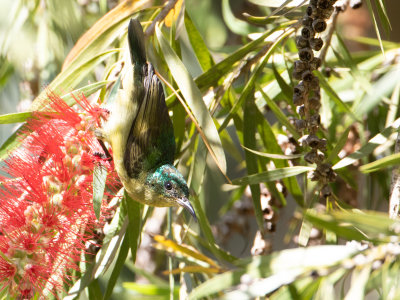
point(46, 210)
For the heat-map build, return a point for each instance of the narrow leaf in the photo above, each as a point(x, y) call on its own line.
point(271, 175)
point(195, 101)
point(99, 183)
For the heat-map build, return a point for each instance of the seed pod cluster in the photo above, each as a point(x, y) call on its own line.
point(307, 95)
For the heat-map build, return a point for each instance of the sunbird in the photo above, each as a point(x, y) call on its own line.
point(140, 133)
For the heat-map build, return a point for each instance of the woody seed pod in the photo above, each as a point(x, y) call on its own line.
point(300, 66)
point(302, 42)
point(309, 10)
point(307, 21)
point(312, 140)
point(323, 4)
point(319, 25)
point(300, 124)
point(315, 63)
point(299, 89)
point(314, 84)
point(307, 76)
point(297, 75)
point(298, 99)
point(306, 54)
point(307, 32)
point(314, 103)
point(316, 43)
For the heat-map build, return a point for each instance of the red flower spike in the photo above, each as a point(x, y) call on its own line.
point(46, 210)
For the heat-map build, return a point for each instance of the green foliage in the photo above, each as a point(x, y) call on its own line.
point(234, 128)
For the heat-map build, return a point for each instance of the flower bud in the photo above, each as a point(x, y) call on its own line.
point(300, 124)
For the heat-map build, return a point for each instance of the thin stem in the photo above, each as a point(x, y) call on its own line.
point(161, 16)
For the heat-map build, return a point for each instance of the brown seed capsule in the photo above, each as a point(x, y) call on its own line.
point(302, 42)
point(306, 54)
point(326, 13)
point(307, 21)
point(319, 25)
point(315, 63)
point(312, 140)
point(314, 176)
point(327, 72)
point(298, 99)
point(307, 76)
point(314, 2)
point(324, 4)
point(314, 103)
point(300, 125)
point(316, 43)
point(326, 191)
point(296, 75)
point(311, 157)
point(300, 66)
point(307, 32)
point(314, 84)
point(315, 120)
point(300, 89)
point(322, 144)
point(309, 10)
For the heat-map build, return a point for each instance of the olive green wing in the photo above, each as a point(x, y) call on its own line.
point(151, 140)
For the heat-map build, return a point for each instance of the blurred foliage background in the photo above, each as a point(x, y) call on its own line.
point(280, 239)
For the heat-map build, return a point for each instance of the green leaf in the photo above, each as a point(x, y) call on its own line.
point(195, 101)
point(287, 90)
point(270, 272)
point(390, 160)
point(99, 184)
point(279, 114)
point(150, 289)
point(122, 255)
point(234, 24)
point(332, 95)
point(271, 175)
point(134, 209)
point(339, 145)
point(367, 149)
point(15, 117)
point(249, 140)
point(216, 72)
point(199, 47)
point(249, 88)
point(272, 155)
point(371, 12)
point(71, 77)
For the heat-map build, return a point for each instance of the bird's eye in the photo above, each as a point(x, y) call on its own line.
point(168, 185)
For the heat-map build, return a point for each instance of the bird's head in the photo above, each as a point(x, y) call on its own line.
point(168, 183)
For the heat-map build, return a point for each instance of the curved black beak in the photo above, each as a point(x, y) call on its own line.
point(184, 202)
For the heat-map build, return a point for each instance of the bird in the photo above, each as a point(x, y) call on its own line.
point(141, 135)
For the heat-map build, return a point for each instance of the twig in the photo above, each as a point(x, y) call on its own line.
point(394, 201)
point(328, 40)
point(161, 16)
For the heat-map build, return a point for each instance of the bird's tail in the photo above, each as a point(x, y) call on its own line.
point(136, 42)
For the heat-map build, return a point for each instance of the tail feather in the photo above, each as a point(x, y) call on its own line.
point(136, 42)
